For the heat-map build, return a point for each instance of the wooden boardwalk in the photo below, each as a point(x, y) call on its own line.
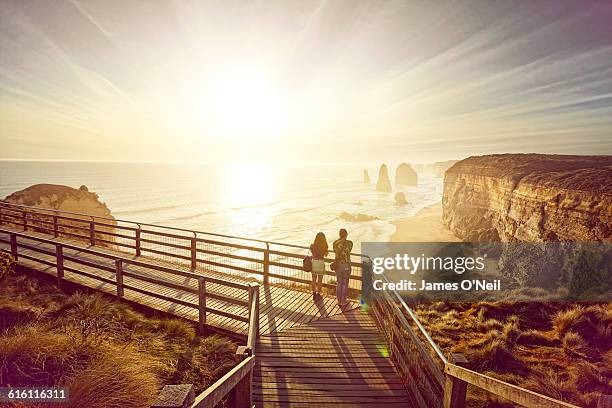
point(337, 361)
point(308, 352)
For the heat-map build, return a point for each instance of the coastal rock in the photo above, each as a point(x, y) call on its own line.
point(383, 183)
point(59, 197)
point(400, 199)
point(63, 198)
point(536, 198)
point(405, 175)
point(366, 177)
point(529, 198)
point(356, 217)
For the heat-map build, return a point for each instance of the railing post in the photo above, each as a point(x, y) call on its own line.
point(266, 265)
point(24, 215)
point(59, 258)
point(201, 305)
point(119, 277)
point(55, 230)
point(14, 246)
point(138, 241)
point(242, 393)
point(366, 280)
point(0, 215)
point(455, 389)
point(193, 253)
point(92, 232)
point(254, 295)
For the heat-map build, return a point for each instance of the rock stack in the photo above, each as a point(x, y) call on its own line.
point(366, 177)
point(405, 175)
point(383, 184)
point(400, 199)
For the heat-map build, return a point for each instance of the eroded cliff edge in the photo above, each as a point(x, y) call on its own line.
point(530, 198)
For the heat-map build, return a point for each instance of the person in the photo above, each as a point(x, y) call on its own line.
point(319, 250)
point(342, 249)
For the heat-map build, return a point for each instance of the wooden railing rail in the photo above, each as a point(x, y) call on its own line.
point(238, 382)
point(119, 270)
point(271, 262)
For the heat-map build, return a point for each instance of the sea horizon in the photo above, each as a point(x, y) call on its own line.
point(276, 202)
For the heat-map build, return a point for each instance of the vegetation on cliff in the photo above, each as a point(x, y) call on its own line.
point(562, 350)
point(104, 352)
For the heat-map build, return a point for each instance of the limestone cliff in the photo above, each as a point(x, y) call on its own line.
point(64, 198)
point(530, 198)
point(59, 197)
point(383, 183)
point(405, 175)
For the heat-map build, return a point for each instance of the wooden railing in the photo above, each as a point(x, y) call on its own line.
point(237, 384)
point(266, 261)
point(118, 267)
point(429, 376)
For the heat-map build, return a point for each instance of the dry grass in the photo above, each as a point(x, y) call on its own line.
point(558, 349)
point(104, 352)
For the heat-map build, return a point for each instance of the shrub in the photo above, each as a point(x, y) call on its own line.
point(7, 264)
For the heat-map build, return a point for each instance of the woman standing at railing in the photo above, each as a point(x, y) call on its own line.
point(319, 250)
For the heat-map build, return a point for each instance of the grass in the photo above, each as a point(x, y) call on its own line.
point(105, 352)
point(562, 350)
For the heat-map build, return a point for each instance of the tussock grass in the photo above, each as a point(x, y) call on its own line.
point(558, 349)
point(106, 353)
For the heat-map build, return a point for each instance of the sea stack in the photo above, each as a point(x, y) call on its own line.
point(383, 184)
point(400, 199)
point(405, 175)
point(366, 177)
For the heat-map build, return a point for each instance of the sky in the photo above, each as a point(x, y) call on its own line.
point(299, 80)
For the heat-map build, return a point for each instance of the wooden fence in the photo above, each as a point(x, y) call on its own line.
point(434, 380)
point(238, 382)
point(115, 274)
point(266, 261)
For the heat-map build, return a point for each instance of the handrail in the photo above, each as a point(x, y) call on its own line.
point(128, 260)
point(229, 255)
point(514, 393)
point(8, 205)
point(457, 377)
point(120, 261)
point(253, 319)
point(211, 397)
point(417, 322)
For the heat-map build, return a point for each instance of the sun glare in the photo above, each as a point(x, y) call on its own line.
point(247, 104)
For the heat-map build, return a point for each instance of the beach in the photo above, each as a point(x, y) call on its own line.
point(424, 226)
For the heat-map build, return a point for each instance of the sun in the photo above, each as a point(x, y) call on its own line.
point(247, 104)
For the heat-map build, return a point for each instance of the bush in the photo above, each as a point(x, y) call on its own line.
point(7, 264)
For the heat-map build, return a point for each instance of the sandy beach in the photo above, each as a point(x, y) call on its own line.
point(425, 226)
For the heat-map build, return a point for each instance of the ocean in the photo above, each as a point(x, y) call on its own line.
point(284, 203)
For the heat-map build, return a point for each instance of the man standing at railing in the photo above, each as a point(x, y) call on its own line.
point(342, 249)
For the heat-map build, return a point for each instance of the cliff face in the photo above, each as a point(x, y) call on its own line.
point(529, 197)
point(63, 198)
